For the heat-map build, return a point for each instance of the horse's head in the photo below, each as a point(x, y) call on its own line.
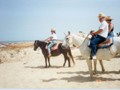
point(67, 41)
point(40, 44)
point(35, 45)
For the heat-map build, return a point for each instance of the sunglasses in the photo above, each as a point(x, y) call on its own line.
point(108, 20)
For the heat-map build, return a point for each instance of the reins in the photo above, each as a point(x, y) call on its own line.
point(36, 43)
point(84, 40)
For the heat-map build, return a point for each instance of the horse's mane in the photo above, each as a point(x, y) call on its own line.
point(41, 43)
point(77, 38)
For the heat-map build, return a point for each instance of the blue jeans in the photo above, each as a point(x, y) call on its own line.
point(94, 42)
point(53, 42)
point(110, 34)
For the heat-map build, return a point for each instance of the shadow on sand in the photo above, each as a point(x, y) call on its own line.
point(43, 67)
point(86, 72)
point(81, 77)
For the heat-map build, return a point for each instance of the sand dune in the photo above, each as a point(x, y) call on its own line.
point(22, 67)
point(17, 52)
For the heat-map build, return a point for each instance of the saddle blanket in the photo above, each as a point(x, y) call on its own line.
point(55, 46)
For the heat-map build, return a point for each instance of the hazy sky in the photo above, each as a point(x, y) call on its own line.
point(33, 19)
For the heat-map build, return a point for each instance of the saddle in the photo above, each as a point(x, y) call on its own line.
point(110, 46)
point(107, 44)
point(55, 46)
point(101, 45)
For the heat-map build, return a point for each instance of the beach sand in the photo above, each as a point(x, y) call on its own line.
point(24, 68)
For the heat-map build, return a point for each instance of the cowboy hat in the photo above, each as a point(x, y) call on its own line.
point(109, 18)
point(101, 15)
point(53, 30)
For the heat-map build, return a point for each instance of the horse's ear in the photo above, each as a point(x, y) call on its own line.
point(69, 33)
point(65, 34)
point(35, 41)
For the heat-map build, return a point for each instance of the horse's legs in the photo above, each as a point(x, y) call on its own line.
point(70, 54)
point(45, 61)
point(64, 60)
point(49, 61)
point(95, 64)
point(101, 63)
point(69, 65)
point(89, 63)
point(68, 58)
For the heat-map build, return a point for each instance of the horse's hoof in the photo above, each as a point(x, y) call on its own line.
point(103, 71)
point(45, 66)
point(94, 72)
point(91, 78)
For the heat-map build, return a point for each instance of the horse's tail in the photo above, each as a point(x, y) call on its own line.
point(71, 56)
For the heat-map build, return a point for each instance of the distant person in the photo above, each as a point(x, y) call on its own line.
point(52, 40)
point(101, 35)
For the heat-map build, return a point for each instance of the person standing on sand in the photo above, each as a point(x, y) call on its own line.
point(101, 35)
point(52, 40)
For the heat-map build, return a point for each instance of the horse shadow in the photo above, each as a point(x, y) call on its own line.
point(50, 80)
point(117, 56)
point(83, 77)
point(87, 72)
point(43, 67)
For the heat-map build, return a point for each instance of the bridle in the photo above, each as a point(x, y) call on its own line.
point(36, 44)
point(83, 41)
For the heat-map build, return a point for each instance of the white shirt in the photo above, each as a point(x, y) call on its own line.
point(54, 36)
point(104, 27)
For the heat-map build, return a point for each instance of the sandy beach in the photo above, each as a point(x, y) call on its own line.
point(24, 68)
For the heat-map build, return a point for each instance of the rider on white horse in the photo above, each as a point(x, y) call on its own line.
point(101, 35)
point(109, 39)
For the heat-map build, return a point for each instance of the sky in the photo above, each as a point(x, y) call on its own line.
point(33, 19)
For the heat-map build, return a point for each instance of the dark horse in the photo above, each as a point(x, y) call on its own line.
point(66, 51)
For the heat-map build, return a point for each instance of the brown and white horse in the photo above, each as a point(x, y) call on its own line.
point(66, 51)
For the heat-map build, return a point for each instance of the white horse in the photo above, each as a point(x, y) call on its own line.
point(102, 54)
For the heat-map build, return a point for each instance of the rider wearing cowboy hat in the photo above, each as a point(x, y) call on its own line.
point(101, 34)
point(53, 41)
point(110, 32)
point(110, 26)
